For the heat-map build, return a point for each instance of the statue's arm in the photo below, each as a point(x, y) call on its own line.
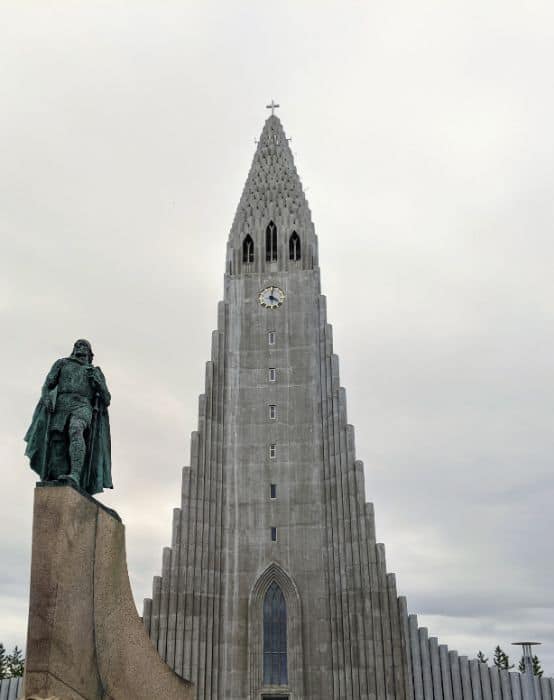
point(50, 382)
point(101, 386)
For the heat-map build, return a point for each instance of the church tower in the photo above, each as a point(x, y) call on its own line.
point(274, 586)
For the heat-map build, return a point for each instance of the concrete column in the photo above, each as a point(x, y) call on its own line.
point(515, 684)
point(465, 678)
point(495, 683)
point(426, 663)
point(475, 679)
point(435, 668)
point(147, 614)
point(505, 685)
point(173, 588)
point(486, 689)
point(406, 647)
point(445, 672)
point(455, 675)
point(545, 689)
point(155, 617)
point(385, 620)
point(164, 602)
point(416, 658)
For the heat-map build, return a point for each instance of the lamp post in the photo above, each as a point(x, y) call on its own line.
point(528, 675)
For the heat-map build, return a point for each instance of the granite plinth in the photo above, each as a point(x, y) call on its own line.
point(85, 639)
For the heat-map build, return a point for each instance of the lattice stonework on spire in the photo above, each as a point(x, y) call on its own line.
point(273, 509)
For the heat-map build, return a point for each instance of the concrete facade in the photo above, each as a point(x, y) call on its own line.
point(274, 413)
point(344, 636)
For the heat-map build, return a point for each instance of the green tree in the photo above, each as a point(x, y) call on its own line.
point(501, 659)
point(3, 669)
point(537, 670)
point(481, 657)
point(15, 663)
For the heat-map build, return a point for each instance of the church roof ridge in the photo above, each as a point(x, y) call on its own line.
point(273, 186)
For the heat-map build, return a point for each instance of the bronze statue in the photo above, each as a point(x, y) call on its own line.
point(69, 436)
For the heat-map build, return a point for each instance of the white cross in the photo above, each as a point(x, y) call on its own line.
point(272, 107)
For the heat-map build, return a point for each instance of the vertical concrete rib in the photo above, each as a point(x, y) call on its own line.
point(475, 679)
point(147, 613)
point(173, 588)
point(218, 561)
point(446, 673)
point(352, 677)
point(465, 676)
point(376, 610)
point(435, 668)
point(197, 622)
point(455, 675)
point(406, 648)
point(164, 602)
point(367, 612)
point(155, 617)
point(426, 663)
point(209, 531)
point(385, 620)
point(190, 590)
point(183, 565)
point(486, 689)
point(359, 641)
point(505, 685)
point(325, 352)
point(201, 562)
point(398, 657)
point(415, 650)
point(515, 684)
point(495, 683)
point(344, 620)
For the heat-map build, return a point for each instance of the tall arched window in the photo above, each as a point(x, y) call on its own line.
point(271, 242)
point(294, 246)
point(248, 250)
point(275, 637)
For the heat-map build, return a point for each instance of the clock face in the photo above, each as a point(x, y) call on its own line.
point(271, 297)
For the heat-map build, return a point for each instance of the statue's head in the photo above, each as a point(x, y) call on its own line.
point(82, 351)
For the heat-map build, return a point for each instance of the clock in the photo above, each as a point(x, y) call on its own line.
point(271, 297)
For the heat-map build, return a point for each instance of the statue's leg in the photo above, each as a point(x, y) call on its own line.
point(77, 448)
point(57, 456)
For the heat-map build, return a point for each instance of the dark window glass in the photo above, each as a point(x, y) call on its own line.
point(274, 534)
point(271, 242)
point(248, 250)
point(275, 637)
point(294, 246)
point(273, 491)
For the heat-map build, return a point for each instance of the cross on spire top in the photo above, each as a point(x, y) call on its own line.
point(273, 106)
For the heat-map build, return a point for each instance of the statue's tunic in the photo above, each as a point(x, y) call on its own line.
point(75, 392)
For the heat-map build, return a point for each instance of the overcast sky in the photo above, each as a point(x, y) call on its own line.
point(422, 132)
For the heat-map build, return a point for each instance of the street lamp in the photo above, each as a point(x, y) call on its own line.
point(528, 676)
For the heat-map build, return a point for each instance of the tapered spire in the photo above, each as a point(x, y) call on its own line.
point(272, 193)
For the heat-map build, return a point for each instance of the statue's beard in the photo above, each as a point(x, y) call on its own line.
point(82, 356)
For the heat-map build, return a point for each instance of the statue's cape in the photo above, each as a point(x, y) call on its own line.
point(36, 438)
point(99, 476)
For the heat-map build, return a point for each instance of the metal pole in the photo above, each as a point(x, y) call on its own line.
point(528, 677)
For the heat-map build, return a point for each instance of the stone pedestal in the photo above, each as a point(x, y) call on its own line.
point(85, 640)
